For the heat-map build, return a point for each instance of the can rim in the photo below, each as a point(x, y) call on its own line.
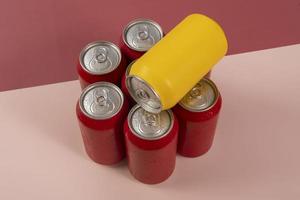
point(143, 105)
point(95, 43)
point(94, 85)
point(136, 21)
point(136, 107)
point(217, 95)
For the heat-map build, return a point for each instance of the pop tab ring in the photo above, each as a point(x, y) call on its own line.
point(150, 126)
point(143, 94)
point(201, 97)
point(100, 57)
point(101, 100)
point(142, 34)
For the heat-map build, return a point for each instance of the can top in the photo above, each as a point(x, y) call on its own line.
point(142, 34)
point(101, 100)
point(100, 57)
point(201, 97)
point(150, 126)
point(143, 94)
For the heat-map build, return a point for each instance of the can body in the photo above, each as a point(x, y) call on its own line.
point(87, 76)
point(151, 161)
point(138, 37)
point(178, 61)
point(103, 139)
point(197, 129)
point(128, 52)
point(115, 76)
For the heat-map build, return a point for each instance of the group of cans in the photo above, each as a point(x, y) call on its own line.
point(116, 115)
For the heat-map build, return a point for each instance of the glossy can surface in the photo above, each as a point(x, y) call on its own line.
point(151, 142)
point(198, 114)
point(100, 61)
point(124, 88)
point(163, 75)
point(101, 111)
point(139, 36)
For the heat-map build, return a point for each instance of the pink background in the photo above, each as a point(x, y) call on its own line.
point(255, 155)
point(40, 40)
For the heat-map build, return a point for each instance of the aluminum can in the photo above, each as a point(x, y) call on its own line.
point(139, 36)
point(151, 143)
point(163, 75)
point(100, 61)
point(198, 114)
point(101, 111)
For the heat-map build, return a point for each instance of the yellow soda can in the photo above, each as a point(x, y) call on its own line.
point(162, 76)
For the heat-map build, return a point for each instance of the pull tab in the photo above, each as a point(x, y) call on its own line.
point(197, 95)
point(100, 98)
point(143, 38)
point(195, 92)
point(100, 61)
point(101, 54)
point(101, 102)
point(143, 33)
point(151, 119)
point(142, 94)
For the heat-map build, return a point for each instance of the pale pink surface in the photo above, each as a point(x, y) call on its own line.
point(255, 154)
point(40, 40)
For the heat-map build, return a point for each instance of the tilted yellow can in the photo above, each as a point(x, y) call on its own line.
point(163, 75)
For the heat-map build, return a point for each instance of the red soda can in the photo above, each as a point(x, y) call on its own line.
point(100, 61)
point(139, 36)
point(197, 114)
point(151, 143)
point(101, 111)
point(124, 88)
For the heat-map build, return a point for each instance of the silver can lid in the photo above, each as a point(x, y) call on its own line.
point(201, 97)
point(100, 57)
point(150, 126)
point(101, 100)
point(143, 94)
point(142, 34)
